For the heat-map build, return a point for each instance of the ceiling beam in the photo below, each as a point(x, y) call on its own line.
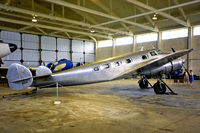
point(39, 33)
point(24, 28)
point(148, 18)
point(77, 7)
point(91, 19)
point(147, 13)
point(40, 30)
point(67, 34)
point(55, 32)
point(57, 24)
point(51, 28)
point(24, 11)
point(105, 8)
point(181, 11)
point(142, 5)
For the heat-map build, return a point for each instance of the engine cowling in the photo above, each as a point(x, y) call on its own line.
point(169, 67)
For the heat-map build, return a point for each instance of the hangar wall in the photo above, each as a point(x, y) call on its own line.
point(34, 50)
point(166, 45)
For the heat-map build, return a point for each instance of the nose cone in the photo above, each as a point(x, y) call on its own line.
point(183, 60)
point(12, 47)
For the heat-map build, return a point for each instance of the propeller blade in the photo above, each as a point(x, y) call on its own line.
point(173, 50)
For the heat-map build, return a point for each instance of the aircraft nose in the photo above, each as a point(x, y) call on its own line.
point(12, 47)
point(183, 60)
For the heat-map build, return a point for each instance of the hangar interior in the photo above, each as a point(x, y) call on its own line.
point(91, 30)
point(86, 23)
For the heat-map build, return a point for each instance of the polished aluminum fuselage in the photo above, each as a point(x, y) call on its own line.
point(100, 71)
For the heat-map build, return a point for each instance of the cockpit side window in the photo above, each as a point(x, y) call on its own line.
point(153, 53)
point(96, 68)
point(118, 63)
point(128, 61)
point(106, 66)
point(144, 57)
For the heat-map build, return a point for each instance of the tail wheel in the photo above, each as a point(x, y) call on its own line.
point(143, 83)
point(159, 88)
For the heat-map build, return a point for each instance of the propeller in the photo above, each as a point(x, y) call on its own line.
point(186, 69)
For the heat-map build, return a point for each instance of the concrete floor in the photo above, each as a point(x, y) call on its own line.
point(111, 107)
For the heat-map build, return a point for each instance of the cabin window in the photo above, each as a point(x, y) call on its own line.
point(153, 53)
point(144, 57)
point(106, 66)
point(118, 63)
point(128, 60)
point(96, 69)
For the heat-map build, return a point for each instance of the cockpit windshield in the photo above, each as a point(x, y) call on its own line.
point(153, 53)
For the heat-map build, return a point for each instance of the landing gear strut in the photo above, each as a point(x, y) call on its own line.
point(160, 87)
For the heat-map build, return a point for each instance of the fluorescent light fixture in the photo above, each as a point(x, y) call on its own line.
point(92, 30)
point(34, 18)
point(155, 16)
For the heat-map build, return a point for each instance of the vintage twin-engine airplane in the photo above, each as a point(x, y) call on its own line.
point(140, 63)
point(6, 48)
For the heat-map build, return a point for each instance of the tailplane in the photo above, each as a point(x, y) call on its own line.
point(19, 77)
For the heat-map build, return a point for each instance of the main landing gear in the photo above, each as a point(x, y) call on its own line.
point(143, 83)
point(159, 87)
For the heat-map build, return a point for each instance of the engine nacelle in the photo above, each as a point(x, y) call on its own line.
point(169, 67)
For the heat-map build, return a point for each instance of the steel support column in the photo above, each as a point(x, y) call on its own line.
point(134, 44)
point(71, 49)
point(113, 47)
point(189, 45)
point(159, 41)
point(40, 50)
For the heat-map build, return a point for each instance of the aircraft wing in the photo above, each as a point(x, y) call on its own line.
point(153, 63)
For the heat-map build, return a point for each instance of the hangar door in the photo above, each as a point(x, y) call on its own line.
point(34, 48)
point(63, 48)
point(31, 53)
point(54, 49)
point(82, 51)
point(48, 46)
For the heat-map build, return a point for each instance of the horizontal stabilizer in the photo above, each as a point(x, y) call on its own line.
point(43, 70)
point(19, 77)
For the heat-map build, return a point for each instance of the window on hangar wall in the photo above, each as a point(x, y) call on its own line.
point(150, 37)
point(177, 33)
point(124, 41)
point(106, 43)
point(196, 30)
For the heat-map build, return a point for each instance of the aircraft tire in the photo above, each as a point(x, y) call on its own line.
point(159, 88)
point(143, 83)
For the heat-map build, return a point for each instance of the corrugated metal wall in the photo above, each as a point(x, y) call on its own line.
point(77, 51)
point(31, 54)
point(33, 50)
point(63, 47)
point(89, 52)
point(48, 46)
